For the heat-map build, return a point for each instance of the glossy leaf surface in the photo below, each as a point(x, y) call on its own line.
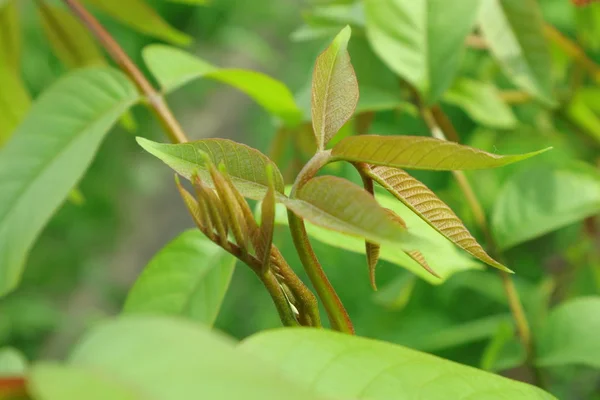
point(174, 68)
point(536, 201)
point(188, 277)
point(334, 89)
point(245, 166)
point(421, 40)
point(49, 152)
point(419, 152)
point(344, 366)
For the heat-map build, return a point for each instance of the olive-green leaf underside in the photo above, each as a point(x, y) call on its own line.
point(419, 152)
point(430, 208)
point(421, 40)
point(188, 277)
point(174, 68)
point(513, 31)
point(334, 93)
point(246, 166)
point(49, 152)
point(349, 367)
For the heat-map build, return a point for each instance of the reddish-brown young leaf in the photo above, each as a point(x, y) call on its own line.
point(267, 222)
point(372, 250)
point(199, 213)
point(214, 207)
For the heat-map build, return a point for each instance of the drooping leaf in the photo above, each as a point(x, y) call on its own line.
point(173, 68)
point(49, 153)
point(513, 31)
point(337, 204)
point(161, 358)
point(245, 166)
point(344, 366)
point(421, 40)
point(70, 40)
point(570, 334)
point(482, 102)
point(14, 102)
point(12, 362)
point(139, 16)
point(372, 250)
point(10, 36)
point(419, 152)
point(538, 200)
point(334, 89)
point(445, 258)
point(430, 208)
point(420, 259)
point(188, 277)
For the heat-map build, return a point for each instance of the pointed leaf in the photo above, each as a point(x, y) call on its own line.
point(48, 154)
point(140, 16)
point(70, 40)
point(419, 152)
point(337, 204)
point(267, 222)
point(245, 166)
point(513, 31)
point(14, 102)
point(215, 209)
point(173, 68)
point(197, 208)
point(372, 250)
point(570, 334)
point(188, 277)
point(539, 200)
point(334, 89)
point(349, 367)
point(430, 208)
point(421, 40)
point(420, 259)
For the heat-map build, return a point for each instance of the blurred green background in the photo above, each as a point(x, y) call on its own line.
point(92, 251)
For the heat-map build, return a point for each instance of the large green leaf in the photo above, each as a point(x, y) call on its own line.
point(482, 102)
point(14, 102)
point(49, 153)
point(188, 277)
point(349, 367)
point(443, 257)
point(334, 89)
point(419, 152)
point(245, 165)
point(71, 41)
point(173, 68)
point(10, 36)
point(421, 40)
point(140, 16)
point(12, 363)
point(570, 335)
point(538, 200)
point(513, 31)
point(160, 358)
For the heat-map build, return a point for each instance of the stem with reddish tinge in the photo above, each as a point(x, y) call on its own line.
point(338, 317)
point(154, 98)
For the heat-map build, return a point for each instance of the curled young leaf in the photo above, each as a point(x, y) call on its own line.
point(267, 222)
point(424, 203)
point(245, 166)
point(337, 204)
point(199, 213)
point(334, 89)
point(214, 207)
point(419, 152)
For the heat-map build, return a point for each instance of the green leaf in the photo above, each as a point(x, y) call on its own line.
point(246, 166)
point(188, 277)
point(139, 16)
point(350, 367)
point(570, 334)
point(421, 40)
point(443, 257)
point(49, 153)
point(430, 208)
point(513, 31)
point(482, 102)
point(12, 362)
point(160, 358)
point(174, 68)
point(538, 200)
point(334, 89)
point(10, 36)
point(419, 152)
point(70, 40)
point(14, 102)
